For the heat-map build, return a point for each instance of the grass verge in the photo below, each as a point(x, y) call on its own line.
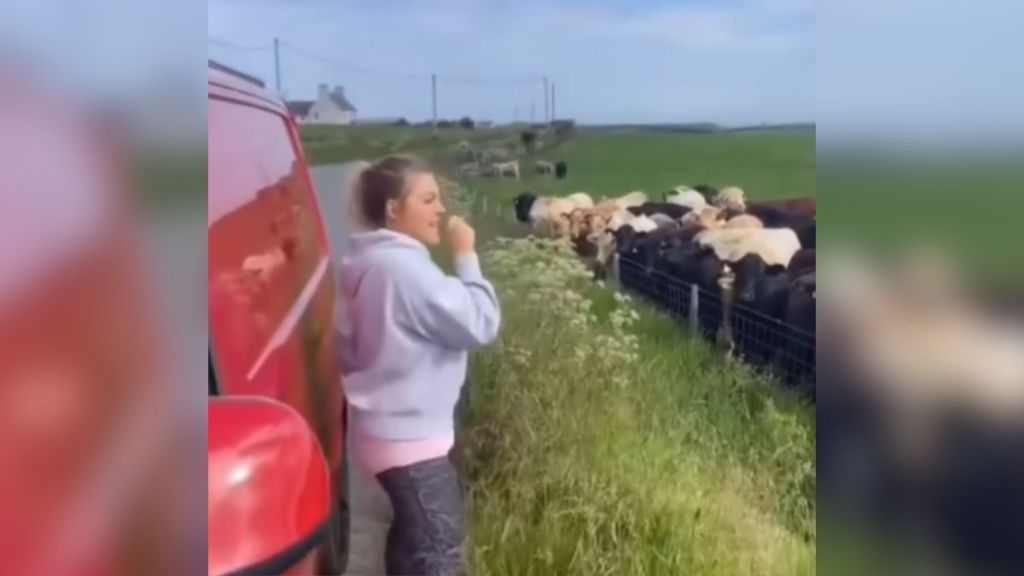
point(600, 440)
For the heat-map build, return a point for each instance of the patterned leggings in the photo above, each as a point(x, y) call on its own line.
point(428, 531)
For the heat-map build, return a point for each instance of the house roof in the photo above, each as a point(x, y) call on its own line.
point(341, 102)
point(299, 107)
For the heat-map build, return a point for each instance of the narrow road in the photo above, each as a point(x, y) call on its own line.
point(371, 510)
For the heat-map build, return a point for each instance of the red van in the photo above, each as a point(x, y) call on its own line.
point(271, 308)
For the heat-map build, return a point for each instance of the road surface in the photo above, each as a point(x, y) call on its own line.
point(371, 510)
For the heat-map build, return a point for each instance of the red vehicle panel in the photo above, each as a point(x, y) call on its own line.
point(271, 283)
point(269, 489)
point(84, 461)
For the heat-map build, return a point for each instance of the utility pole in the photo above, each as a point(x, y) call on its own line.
point(515, 115)
point(433, 92)
point(277, 65)
point(552, 101)
point(533, 117)
point(547, 115)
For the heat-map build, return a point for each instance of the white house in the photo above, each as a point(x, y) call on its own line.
point(330, 107)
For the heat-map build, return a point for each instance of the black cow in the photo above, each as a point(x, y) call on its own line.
point(633, 275)
point(649, 247)
point(761, 286)
point(803, 261)
point(807, 234)
point(707, 191)
point(523, 203)
point(761, 292)
point(561, 169)
point(685, 264)
point(625, 237)
point(693, 264)
point(798, 361)
point(774, 217)
point(638, 255)
point(669, 209)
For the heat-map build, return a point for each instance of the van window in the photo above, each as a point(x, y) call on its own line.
point(265, 242)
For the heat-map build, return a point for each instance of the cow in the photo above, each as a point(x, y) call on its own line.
point(669, 209)
point(544, 167)
point(561, 169)
point(760, 294)
point(803, 261)
point(801, 206)
point(797, 361)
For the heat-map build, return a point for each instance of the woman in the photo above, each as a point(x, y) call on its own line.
point(405, 331)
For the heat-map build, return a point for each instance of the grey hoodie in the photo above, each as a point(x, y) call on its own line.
point(405, 329)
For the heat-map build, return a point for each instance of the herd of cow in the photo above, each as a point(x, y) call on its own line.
point(921, 427)
point(749, 265)
point(511, 169)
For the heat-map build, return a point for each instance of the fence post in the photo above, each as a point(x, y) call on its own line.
point(694, 307)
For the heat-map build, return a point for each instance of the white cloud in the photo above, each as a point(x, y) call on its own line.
point(926, 67)
point(736, 62)
point(715, 29)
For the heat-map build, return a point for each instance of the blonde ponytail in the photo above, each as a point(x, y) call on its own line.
point(357, 220)
point(372, 186)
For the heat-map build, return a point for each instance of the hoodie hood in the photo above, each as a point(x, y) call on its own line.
point(368, 248)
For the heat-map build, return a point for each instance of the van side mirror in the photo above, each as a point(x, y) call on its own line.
point(269, 493)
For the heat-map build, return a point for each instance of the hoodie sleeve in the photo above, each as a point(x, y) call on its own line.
point(460, 312)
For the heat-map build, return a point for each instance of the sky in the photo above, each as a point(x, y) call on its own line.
point(921, 69)
point(734, 62)
point(924, 71)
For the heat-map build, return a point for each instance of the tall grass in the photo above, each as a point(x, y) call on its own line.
point(599, 440)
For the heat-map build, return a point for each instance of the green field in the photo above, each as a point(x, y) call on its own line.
point(968, 209)
point(600, 439)
point(333, 144)
point(966, 206)
point(766, 165)
point(770, 164)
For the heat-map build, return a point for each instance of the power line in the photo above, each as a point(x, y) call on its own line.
point(351, 65)
point(234, 46)
point(547, 105)
point(519, 81)
point(552, 102)
point(358, 68)
point(512, 81)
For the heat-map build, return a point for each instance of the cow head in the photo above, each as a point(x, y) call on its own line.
point(707, 191)
point(625, 238)
point(749, 269)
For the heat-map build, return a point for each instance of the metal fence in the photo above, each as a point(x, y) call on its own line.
point(766, 343)
point(482, 205)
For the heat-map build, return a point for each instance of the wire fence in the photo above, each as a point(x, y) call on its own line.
point(766, 343)
point(486, 206)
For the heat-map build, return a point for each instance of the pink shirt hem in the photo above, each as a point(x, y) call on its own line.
point(378, 454)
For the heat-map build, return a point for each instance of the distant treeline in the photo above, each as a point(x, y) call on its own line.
point(764, 127)
point(698, 127)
